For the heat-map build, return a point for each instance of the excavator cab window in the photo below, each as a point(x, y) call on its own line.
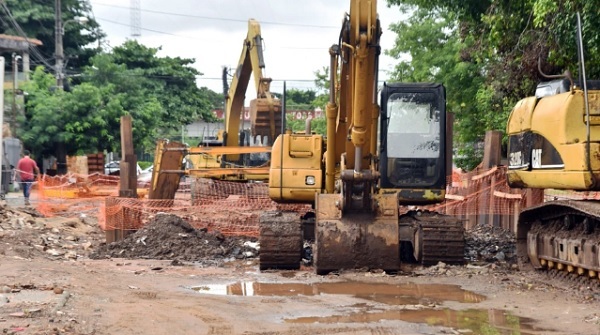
point(413, 129)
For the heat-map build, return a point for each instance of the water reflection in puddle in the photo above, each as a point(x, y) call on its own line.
point(475, 321)
point(472, 321)
point(391, 294)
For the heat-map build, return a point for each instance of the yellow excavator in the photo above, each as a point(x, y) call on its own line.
point(371, 161)
point(236, 154)
point(265, 120)
point(554, 143)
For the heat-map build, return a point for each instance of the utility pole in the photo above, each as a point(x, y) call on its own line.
point(58, 54)
point(136, 18)
point(1, 125)
point(13, 117)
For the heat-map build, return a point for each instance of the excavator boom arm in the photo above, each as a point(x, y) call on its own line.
point(251, 62)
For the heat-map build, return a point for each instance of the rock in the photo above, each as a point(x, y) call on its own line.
point(490, 244)
point(55, 252)
point(6, 289)
point(58, 290)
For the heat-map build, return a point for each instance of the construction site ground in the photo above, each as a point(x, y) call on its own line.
point(58, 277)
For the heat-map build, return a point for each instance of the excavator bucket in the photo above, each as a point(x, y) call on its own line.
point(356, 240)
point(265, 118)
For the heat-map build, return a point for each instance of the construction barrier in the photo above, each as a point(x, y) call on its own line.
point(483, 197)
point(480, 197)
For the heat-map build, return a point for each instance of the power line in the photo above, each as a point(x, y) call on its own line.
point(221, 18)
point(34, 52)
point(199, 39)
point(146, 29)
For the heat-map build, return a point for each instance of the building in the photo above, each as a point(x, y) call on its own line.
point(20, 47)
point(201, 129)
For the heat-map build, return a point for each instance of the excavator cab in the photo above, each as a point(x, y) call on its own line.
point(412, 149)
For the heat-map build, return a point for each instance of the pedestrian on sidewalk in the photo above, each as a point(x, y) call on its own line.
point(28, 169)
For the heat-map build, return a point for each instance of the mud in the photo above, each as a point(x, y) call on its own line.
point(49, 285)
point(168, 237)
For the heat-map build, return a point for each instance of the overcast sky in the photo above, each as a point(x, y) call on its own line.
point(296, 34)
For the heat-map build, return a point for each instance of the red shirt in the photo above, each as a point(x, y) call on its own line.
point(26, 166)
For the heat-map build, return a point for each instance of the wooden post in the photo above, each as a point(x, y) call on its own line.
point(471, 206)
point(128, 179)
point(128, 164)
point(492, 149)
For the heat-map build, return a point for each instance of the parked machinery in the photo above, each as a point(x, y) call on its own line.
point(371, 161)
point(236, 154)
point(265, 120)
point(554, 143)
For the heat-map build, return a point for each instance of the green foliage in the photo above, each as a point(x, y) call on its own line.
point(487, 52)
point(36, 18)
point(322, 83)
point(144, 164)
point(300, 99)
point(159, 93)
point(172, 80)
point(317, 125)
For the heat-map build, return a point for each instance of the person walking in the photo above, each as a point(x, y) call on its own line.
point(27, 167)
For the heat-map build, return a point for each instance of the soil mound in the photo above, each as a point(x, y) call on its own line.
point(169, 237)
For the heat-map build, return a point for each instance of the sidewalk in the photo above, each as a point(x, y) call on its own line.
point(16, 199)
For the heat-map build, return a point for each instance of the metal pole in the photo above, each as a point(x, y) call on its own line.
point(59, 55)
point(1, 123)
point(13, 116)
point(14, 95)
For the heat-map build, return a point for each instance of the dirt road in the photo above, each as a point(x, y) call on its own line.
point(47, 290)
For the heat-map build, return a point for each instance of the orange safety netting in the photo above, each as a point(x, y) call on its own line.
point(73, 194)
point(229, 207)
point(478, 197)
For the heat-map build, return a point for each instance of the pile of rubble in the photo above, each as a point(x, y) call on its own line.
point(490, 244)
point(26, 234)
point(170, 237)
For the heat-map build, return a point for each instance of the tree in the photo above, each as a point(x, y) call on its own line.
point(174, 82)
point(435, 55)
point(35, 19)
point(159, 93)
point(492, 48)
point(299, 99)
point(322, 83)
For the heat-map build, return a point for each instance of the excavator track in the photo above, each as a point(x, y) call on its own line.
point(561, 235)
point(429, 238)
point(280, 240)
point(360, 241)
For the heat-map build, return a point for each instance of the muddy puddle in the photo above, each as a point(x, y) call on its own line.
point(397, 294)
point(409, 302)
point(471, 321)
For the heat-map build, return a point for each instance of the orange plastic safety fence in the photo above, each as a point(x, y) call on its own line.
point(73, 194)
point(233, 208)
point(234, 215)
point(482, 192)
